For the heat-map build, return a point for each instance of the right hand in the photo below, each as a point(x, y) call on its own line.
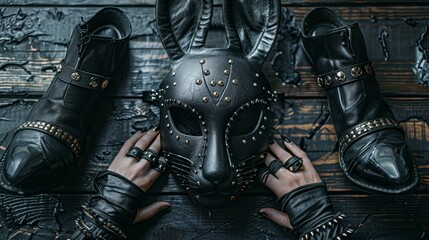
point(285, 181)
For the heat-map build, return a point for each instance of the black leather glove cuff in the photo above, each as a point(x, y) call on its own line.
point(112, 209)
point(311, 213)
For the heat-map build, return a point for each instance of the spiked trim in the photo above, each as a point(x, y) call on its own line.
point(327, 225)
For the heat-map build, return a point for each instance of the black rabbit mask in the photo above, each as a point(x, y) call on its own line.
point(215, 103)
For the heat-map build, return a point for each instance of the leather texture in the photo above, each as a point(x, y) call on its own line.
point(116, 200)
point(379, 161)
point(215, 102)
point(37, 161)
point(311, 213)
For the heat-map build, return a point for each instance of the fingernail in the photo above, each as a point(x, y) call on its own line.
point(143, 130)
point(164, 207)
point(263, 214)
point(155, 128)
point(271, 141)
point(286, 139)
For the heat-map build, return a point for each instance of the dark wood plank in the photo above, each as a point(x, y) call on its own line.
point(55, 214)
point(216, 2)
point(42, 39)
point(35, 34)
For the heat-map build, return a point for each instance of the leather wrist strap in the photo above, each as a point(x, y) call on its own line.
point(112, 210)
point(346, 75)
point(311, 213)
point(81, 78)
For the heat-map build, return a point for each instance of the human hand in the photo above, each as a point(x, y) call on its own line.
point(140, 171)
point(284, 181)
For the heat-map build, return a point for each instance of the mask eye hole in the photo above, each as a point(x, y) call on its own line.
point(246, 122)
point(185, 122)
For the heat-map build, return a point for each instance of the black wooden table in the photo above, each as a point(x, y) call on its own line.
point(33, 38)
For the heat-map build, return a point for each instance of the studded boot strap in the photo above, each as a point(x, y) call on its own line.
point(82, 78)
point(365, 128)
point(346, 75)
point(59, 133)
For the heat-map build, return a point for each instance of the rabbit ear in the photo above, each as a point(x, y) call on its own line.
point(183, 25)
point(251, 27)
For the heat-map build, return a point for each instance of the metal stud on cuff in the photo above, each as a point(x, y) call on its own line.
point(135, 152)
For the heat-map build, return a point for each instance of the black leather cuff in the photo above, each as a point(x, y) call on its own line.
point(311, 213)
point(112, 210)
point(117, 198)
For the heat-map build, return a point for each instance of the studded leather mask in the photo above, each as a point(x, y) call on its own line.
point(215, 103)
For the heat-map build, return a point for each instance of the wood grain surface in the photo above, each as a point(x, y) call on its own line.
point(33, 40)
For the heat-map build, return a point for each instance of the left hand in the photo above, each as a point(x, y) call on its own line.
point(140, 172)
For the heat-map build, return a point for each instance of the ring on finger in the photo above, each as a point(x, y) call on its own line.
point(161, 166)
point(134, 152)
point(151, 156)
point(263, 175)
point(274, 166)
point(293, 164)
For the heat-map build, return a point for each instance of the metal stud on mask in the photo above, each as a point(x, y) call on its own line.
point(215, 103)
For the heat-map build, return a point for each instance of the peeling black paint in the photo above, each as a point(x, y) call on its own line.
point(284, 61)
point(421, 67)
point(374, 19)
point(51, 67)
point(410, 21)
point(5, 65)
point(382, 40)
point(321, 120)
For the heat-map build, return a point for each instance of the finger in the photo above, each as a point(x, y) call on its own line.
point(268, 158)
point(145, 141)
point(281, 172)
point(150, 211)
point(130, 142)
point(295, 150)
point(279, 152)
point(155, 146)
point(277, 216)
point(145, 181)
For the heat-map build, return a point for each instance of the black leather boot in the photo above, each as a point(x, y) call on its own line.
point(372, 149)
point(47, 146)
